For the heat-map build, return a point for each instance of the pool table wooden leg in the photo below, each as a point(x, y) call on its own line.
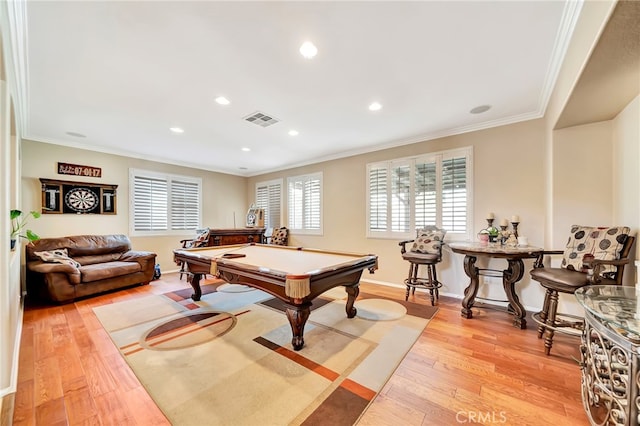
point(297, 319)
point(194, 280)
point(353, 292)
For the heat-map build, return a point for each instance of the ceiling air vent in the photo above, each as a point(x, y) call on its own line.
point(261, 119)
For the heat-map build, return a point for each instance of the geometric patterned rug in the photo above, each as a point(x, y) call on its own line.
point(228, 359)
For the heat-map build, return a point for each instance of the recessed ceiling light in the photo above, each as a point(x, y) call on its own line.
point(222, 100)
point(76, 135)
point(375, 106)
point(293, 132)
point(242, 168)
point(245, 149)
point(176, 129)
point(308, 50)
point(480, 109)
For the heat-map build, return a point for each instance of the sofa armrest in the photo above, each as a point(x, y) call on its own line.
point(47, 267)
point(138, 256)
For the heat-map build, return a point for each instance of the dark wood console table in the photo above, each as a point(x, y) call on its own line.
point(225, 237)
point(510, 276)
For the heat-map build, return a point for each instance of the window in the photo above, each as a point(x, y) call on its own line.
point(163, 204)
point(269, 198)
point(410, 193)
point(305, 204)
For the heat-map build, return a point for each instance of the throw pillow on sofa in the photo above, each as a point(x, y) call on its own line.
point(57, 256)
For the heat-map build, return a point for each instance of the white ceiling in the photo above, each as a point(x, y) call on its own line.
point(122, 73)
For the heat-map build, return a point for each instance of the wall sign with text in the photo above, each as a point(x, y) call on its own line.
point(60, 196)
point(78, 170)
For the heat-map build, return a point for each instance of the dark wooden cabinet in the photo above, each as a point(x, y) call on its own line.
point(225, 237)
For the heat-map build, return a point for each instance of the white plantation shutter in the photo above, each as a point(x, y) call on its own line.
point(378, 198)
point(150, 204)
point(454, 194)
point(406, 194)
point(269, 198)
point(400, 198)
point(426, 193)
point(185, 205)
point(305, 203)
point(162, 203)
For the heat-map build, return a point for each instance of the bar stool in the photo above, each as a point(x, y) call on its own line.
point(426, 251)
point(200, 240)
point(592, 256)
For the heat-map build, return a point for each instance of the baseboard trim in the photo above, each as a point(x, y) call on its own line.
point(453, 295)
point(403, 287)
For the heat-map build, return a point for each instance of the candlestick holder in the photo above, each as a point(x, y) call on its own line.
point(503, 234)
point(515, 228)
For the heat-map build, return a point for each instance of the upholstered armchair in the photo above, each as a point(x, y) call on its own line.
point(425, 250)
point(592, 256)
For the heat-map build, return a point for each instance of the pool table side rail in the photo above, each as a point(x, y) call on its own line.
point(196, 255)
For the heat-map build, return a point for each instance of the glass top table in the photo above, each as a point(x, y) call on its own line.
point(614, 305)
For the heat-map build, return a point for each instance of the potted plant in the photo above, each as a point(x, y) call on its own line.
point(18, 223)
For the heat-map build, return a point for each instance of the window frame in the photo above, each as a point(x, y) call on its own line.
point(168, 178)
point(438, 157)
point(268, 184)
point(305, 231)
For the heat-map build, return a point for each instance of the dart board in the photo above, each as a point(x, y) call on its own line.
point(77, 197)
point(81, 200)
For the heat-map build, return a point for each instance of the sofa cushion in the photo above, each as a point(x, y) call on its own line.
point(101, 258)
point(56, 256)
point(587, 242)
point(87, 245)
point(100, 271)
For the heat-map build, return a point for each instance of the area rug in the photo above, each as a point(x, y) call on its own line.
point(228, 360)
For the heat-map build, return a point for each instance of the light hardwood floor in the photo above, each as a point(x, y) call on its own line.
point(477, 371)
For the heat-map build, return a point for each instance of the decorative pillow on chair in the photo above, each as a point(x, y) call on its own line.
point(201, 240)
point(280, 236)
point(57, 256)
point(429, 240)
point(595, 243)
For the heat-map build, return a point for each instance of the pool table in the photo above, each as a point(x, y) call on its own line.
point(294, 275)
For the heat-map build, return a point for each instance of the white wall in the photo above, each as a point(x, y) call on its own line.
point(626, 158)
point(222, 196)
point(583, 179)
point(626, 175)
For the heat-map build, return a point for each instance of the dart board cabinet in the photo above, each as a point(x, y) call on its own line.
point(60, 196)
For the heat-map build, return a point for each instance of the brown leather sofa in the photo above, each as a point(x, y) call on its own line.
point(102, 263)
